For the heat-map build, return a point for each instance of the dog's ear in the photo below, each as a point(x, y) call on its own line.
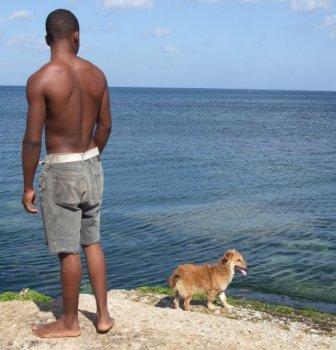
point(228, 255)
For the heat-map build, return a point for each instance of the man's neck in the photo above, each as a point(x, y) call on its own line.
point(62, 50)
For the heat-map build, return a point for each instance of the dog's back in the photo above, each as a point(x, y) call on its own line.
point(188, 279)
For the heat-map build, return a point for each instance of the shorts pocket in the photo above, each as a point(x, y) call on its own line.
point(67, 191)
point(100, 184)
point(42, 186)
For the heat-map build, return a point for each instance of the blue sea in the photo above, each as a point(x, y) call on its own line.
point(190, 173)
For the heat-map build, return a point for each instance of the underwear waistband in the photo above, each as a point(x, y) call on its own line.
point(71, 157)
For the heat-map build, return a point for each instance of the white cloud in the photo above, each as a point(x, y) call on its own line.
point(26, 41)
point(217, 1)
point(160, 32)
point(170, 48)
point(297, 5)
point(309, 5)
point(330, 23)
point(157, 32)
point(21, 14)
point(127, 4)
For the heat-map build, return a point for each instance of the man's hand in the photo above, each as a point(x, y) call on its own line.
point(28, 201)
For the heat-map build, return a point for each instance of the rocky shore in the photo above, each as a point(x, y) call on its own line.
point(144, 320)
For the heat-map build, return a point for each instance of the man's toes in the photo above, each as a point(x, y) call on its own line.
point(36, 332)
point(35, 329)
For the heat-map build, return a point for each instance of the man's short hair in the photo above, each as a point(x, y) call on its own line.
point(60, 24)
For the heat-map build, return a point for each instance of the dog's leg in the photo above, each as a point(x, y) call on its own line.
point(211, 297)
point(222, 298)
point(177, 300)
point(186, 302)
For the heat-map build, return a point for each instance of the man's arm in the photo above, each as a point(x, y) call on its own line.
point(31, 143)
point(104, 122)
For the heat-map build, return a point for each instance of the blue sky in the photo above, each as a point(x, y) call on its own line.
point(254, 44)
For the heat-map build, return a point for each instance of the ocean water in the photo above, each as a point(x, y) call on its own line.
point(190, 173)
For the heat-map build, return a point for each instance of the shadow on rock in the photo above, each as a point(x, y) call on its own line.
point(167, 302)
point(91, 316)
point(54, 306)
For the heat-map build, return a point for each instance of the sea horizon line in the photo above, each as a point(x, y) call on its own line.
point(202, 88)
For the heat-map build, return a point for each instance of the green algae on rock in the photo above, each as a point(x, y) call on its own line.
point(26, 294)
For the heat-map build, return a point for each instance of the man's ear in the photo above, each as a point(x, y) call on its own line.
point(76, 37)
point(228, 255)
point(47, 40)
point(76, 41)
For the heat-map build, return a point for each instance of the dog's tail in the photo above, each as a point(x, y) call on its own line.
point(173, 279)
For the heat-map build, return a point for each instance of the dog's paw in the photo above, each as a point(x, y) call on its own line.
point(218, 311)
point(228, 308)
point(211, 306)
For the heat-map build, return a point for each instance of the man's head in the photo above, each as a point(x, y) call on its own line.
point(62, 25)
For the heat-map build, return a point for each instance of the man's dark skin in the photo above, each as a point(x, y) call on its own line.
point(69, 96)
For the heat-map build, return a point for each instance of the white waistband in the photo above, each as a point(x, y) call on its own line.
point(71, 157)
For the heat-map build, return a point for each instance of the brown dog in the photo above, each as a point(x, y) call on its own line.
point(189, 279)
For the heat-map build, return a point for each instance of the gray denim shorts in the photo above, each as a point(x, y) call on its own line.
point(70, 196)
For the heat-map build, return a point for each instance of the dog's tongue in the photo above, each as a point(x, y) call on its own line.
point(243, 272)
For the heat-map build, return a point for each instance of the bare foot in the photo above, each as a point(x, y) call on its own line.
point(104, 323)
point(57, 329)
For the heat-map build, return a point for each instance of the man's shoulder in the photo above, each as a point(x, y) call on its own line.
point(41, 73)
point(36, 79)
point(92, 67)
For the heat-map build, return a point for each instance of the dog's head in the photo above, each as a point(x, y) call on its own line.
point(236, 260)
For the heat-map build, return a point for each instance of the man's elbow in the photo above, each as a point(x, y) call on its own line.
point(108, 129)
point(103, 129)
point(30, 143)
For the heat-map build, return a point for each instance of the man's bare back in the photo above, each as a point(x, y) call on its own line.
point(75, 96)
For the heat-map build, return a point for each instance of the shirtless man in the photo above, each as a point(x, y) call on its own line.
point(69, 97)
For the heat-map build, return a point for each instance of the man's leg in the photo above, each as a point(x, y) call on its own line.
point(67, 325)
point(95, 261)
